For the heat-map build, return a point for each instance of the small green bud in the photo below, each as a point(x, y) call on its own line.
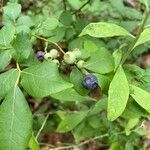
point(69, 58)
point(80, 64)
point(47, 56)
point(54, 53)
point(77, 53)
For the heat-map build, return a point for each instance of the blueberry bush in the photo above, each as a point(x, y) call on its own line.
point(72, 74)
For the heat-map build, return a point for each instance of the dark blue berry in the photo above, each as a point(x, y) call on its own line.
point(90, 82)
point(40, 55)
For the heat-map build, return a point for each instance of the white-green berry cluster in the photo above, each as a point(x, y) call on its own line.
point(73, 57)
point(53, 54)
point(70, 57)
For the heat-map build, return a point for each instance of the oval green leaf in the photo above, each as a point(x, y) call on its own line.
point(43, 79)
point(144, 37)
point(15, 121)
point(101, 62)
point(6, 35)
point(7, 81)
point(117, 95)
point(70, 120)
point(103, 29)
point(70, 95)
point(141, 97)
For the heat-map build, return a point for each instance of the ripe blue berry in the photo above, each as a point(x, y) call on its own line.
point(40, 55)
point(90, 82)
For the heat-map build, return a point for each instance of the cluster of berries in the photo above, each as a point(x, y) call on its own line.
point(52, 55)
point(90, 81)
point(73, 57)
point(69, 57)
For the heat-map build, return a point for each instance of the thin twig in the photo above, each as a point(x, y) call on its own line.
point(81, 7)
point(81, 144)
point(92, 139)
point(132, 46)
point(46, 46)
point(46, 144)
point(64, 3)
point(46, 40)
point(89, 140)
point(43, 124)
point(41, 114)
point(62, 148)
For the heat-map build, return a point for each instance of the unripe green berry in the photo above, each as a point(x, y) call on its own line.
point(47, 56)
point(54, 53)
point(80, 64)
point(77, 53)
point(69, 58)
point(56, 62)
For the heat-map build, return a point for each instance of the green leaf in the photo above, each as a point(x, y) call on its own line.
point(144, 37)
point(99, 106)
point(59, 34)
point(23, 24)
point(101, 62)
point(12, 10)
point(25, 20)
point(32, 60)
point(6, 35)
point(118, 5)
point(133, 110)
point(117, 95)
point(75, 4)
point(141, 97)
point(117, 54)
point(79, 24)
point(129, 146)
point(33, 144)
point(66, 18)
point(76, 78)
point(7, 81)
point(5, 59)
point(70, 95)
point(132, 71)
point(103, 29)
point(90, 46)
point(116, 146)
point(129, 25)
point(21, 47)
point(48, 25)
point(43, 79)
point(82, 131)
point(103, 81)
point(131, 124)
point(15, 121)
point(132, 13)
point(23, 28)
point(70, 120)
point(69, 34)
point(94, 121)
point(75, 43)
